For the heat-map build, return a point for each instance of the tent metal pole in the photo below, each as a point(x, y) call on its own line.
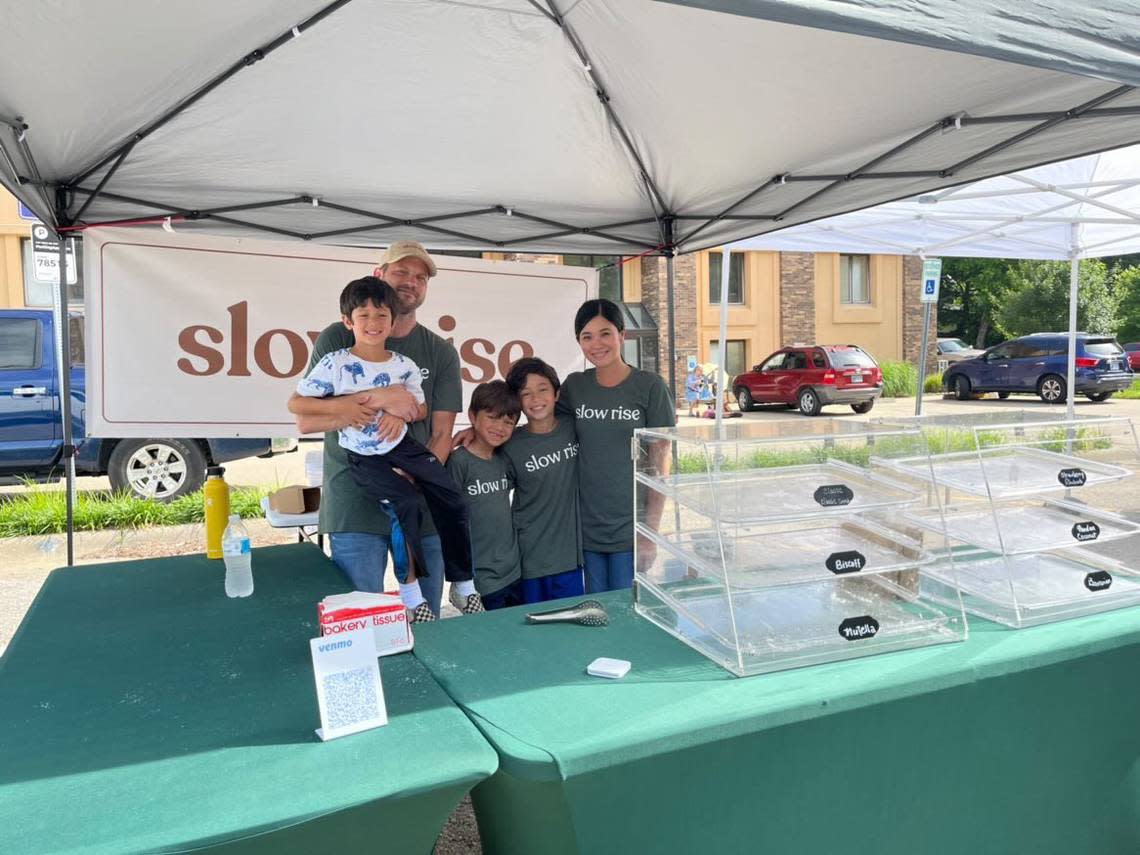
point(63, 361)
point(722, 345)
point(672, 326)
point(1074, 288)
point(922, 358)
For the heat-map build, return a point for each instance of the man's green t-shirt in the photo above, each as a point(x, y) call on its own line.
point(604, 419)
point(344, 506)
point(486, 486)
point(544, 467)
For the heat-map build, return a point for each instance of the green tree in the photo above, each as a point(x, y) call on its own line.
point(1038, 299)
point(1127, 286)
point(972, 290)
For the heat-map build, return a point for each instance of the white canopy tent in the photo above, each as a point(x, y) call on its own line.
point(584, 126)
point(1086, 207)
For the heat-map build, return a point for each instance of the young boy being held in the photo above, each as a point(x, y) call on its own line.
point(482, 475)
point(543, 457)
point(367, 307)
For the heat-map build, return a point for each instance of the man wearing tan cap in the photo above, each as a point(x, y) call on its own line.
point(358, 530)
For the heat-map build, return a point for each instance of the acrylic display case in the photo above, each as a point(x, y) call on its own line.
point(773, 545)
point(1042, 513)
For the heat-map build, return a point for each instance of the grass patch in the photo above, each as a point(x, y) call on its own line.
point(900, 380)
point(1132, 392)
point(44, 511)
point(933, 383)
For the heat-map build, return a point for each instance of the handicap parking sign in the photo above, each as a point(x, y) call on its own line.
point(931, 277)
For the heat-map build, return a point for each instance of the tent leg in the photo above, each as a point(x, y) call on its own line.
point(922, 358)
point(1074, 287)
point(1071, 380)
point(669, 283)
point(722, 345)
point(63, 361)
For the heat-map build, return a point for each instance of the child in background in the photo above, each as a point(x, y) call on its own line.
point(367, 307)
point(483, 477)
point(543, 458)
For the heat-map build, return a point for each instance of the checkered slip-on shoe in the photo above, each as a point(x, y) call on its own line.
point(469, 605)
point(421, 613)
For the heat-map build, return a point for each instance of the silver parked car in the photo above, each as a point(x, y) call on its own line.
point(955, 350)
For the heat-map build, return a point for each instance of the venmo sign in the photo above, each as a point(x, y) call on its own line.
point(191, 335)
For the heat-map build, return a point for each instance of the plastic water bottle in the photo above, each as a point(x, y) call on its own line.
point(238, 558)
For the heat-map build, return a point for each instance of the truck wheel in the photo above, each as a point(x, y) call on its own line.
point(743, 399)
point(159, 469)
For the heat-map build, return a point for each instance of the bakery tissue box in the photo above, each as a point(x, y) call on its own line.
point(384, 614)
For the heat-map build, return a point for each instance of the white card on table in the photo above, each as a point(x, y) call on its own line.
point(349, 692)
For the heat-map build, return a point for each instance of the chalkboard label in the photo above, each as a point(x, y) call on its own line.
point(1098, 580)
point(833, 495)
point(856, 628)
point(1072, 477)
point(1084, 531)
point(846, 562)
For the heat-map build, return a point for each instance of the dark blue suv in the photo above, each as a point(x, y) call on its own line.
point(1037, 364)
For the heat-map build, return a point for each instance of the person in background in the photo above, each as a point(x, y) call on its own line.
point(359, 531)
point(482, 474)
point(608, 402)
point(543, 460)
point(694, 389)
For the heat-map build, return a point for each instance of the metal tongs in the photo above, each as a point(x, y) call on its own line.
point(586, 613)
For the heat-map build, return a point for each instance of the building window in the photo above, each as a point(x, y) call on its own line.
point(40, 292)
point(735, 277)
point(609, 269)
point(631, 351)
point(854, 279)
point(735, 355)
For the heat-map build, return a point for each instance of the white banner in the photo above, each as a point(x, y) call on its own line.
point(199, 336)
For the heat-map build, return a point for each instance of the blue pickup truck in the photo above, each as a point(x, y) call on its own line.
point(31, 439)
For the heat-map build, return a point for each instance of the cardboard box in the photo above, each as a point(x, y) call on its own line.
point(295, 499)
point(383, 613)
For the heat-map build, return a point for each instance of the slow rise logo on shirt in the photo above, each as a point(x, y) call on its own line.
point(482, 488)
point(616, 414)
point(537, 461)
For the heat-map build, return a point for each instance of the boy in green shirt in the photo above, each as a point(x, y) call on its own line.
point(482, 476)
point(543, 458)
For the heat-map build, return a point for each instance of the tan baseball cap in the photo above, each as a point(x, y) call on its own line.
point(408, 249)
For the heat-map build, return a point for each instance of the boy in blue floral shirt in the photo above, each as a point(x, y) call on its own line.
point(376, 451)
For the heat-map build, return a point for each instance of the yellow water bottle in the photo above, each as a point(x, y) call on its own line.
point(216, 495)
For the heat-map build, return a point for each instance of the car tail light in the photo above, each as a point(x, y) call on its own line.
point(1086, 362)
point(829, 377)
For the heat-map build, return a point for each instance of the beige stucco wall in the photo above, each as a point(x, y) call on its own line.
point(877, 326)
point(12, 228)
point(756, 321)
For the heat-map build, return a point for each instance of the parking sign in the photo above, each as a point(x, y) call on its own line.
point(931, 279)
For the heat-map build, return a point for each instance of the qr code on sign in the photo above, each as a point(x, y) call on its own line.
point(350, 697)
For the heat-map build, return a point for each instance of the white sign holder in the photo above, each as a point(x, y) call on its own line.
point(349, 691)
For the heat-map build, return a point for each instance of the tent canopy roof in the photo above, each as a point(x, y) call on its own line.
point(597, 126)
point(1084, 207)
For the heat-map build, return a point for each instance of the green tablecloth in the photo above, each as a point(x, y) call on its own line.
point(142, 710)
point(1012, 742)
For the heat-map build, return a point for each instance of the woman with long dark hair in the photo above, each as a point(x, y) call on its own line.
point(608, 402)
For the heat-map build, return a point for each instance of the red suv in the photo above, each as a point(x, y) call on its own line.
point(1133, 351)
point(811, 377)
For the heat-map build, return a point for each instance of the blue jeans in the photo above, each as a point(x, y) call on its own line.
point(362, 556)
point(553, 587)
point(608, 571)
